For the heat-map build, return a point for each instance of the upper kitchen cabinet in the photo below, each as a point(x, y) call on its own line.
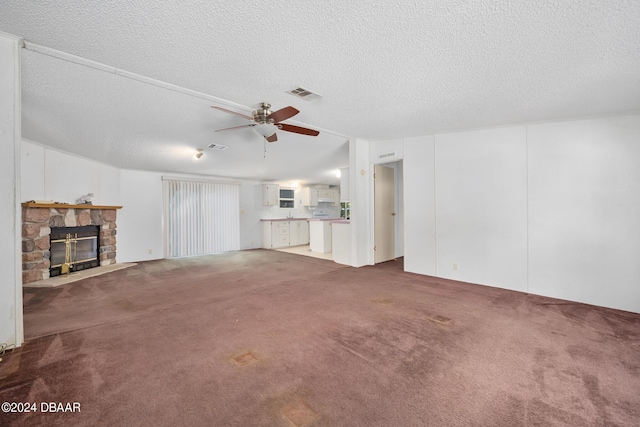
point(314, 196)
point(309, 196)
point(270, 194)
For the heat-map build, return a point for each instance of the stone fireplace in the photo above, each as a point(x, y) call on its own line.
point(39, 219)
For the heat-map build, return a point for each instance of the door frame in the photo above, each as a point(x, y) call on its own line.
point(398, 199)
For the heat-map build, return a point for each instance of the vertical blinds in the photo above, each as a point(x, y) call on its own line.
point(202, 217)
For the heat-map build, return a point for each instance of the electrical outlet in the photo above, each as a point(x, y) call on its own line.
point(150, 251)
point(455, 266)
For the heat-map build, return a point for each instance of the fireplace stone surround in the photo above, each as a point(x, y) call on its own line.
point(39, 218)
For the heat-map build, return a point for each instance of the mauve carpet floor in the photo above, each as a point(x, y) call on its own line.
point(265, 338)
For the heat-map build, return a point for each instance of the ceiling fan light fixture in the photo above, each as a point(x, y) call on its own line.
point(267, 122)
point(265, 129)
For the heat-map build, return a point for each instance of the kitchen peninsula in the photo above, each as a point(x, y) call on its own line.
point(320, 234)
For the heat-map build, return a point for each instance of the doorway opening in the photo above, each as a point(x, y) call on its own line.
point(388, 215)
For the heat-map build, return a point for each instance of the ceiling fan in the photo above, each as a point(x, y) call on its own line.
point(267, 122)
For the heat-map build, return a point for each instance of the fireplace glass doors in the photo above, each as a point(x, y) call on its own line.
point(75, 248)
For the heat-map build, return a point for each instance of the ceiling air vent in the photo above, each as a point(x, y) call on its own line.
point(305, 94)
point(385, 155)
point(218, 147)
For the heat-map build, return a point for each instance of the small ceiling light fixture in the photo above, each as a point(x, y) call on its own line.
point(338, 173)
point(198, 154)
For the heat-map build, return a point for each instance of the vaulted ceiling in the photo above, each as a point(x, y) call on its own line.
point(386, 69)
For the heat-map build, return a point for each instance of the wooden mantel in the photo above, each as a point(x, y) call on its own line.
point(66, 206)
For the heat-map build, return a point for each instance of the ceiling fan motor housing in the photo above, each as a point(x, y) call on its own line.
point(261, 115)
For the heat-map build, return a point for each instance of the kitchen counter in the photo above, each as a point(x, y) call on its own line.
point(285, 219)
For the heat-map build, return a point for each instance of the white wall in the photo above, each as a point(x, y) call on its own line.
point(386, 151)
point(48, 174)
point(481, 199)
point(250, 214)
point(420, 252)
point(551, 209)
point(584, 211)
point(11, 331)
point(140, 232)
point(360, 176)
point(398, 169)
point(140, 221)
point(32, 171)
point(345, 195)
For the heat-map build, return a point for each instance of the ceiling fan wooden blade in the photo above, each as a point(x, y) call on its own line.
point(298, 129)
point(272, 138)
point(232, 112)
point(283, 114)
point(236, 127)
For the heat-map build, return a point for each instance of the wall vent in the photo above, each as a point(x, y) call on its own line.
point(385, 155)
point(219, 147)
point(305, 94)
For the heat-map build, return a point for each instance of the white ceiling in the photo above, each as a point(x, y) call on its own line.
point(386, 69)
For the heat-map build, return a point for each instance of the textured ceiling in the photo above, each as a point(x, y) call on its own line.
point(385, 70)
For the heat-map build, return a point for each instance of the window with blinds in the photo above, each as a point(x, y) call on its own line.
point(201, 217)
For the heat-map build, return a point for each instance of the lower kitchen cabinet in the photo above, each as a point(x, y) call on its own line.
point(281, 234)
point(298, 233)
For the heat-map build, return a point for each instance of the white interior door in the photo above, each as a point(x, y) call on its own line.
point(384, 214)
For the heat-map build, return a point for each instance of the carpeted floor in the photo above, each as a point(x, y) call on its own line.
point(265, 338)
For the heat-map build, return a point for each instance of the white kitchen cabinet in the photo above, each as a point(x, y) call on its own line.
point(304, 232)
point(281, 234)
point(329, 195)
point(310, 196)
point(280, 231)
point(275, 234)
point(313, 196)
point(294, 233)
point(298, 233)
point(270, 194)
point(325, 193)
